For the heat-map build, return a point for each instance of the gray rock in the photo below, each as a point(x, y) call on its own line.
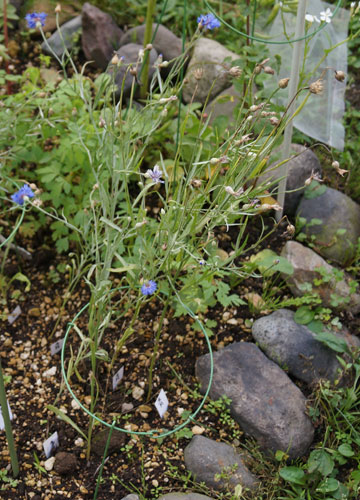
point(99, 441)
point(223, 105)
point(100, 35)
point(129, 54)
point(68, 31)
point(165, 42)
point(207, 62)
point(264, 401)
point(305, 263)
point(302, 164)
point(184, 496)
point(294, 347)
point(205, 458)
point(337, 212)
point(132, 496)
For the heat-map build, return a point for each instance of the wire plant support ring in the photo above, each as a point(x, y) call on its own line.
point(154, 434)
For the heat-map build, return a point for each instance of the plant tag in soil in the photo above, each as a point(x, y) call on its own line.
point(117, 377)
point(2, 423)
point(56, 347)
point(14, 315)
point(51, 444)
point(161, 403)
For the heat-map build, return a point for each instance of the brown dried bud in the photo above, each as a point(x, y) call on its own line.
point(290, 230)
point(58, 9)
point(102, 123)
point(340, 76)
point(50, 112)
point(316, 87)
point(339, 170)
point(133, 72)
point(196, 183)
point(235, 71)
point(274, 121)
point(115, 60)
point(269, 70)
point(284, 82)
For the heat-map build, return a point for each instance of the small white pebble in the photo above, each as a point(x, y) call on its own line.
point(75, 405)
point(49, 464)
point(50, 372)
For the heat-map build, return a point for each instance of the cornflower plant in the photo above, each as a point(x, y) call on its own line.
point(172, 256)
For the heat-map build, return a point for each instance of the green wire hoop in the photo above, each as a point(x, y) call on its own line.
point(154, 433)
point(262, 40)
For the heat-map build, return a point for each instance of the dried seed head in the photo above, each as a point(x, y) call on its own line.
point(235, 71)
point(50, 112)
point(284, 82)
point(290, 229)
point(102, 123)
point(339, 170)
point(58, 9)
point(133, 72)
point(149, 46)
point(115, 60)
point(196, 183)
point(316, 87)
point(274, 121)
point(340, 76)
point(269, 70)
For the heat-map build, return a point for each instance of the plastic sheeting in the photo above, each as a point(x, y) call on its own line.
point(321, 117)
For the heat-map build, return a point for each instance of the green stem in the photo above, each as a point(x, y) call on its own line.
point(8, 428)
point(147, 39)
point(156, 347)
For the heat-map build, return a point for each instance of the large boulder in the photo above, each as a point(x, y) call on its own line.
point(295, 348)
point(100, 35)
point(165, 42)
point(331, 223)
point(206, 458)
point(207, 73)
point(264, 401)
point(302, 163)
point(335, 293)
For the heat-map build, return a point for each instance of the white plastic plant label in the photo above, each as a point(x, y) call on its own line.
point(51, 444)
point(56, 347)
point(14, 315)
point(117, 377)
point(161, 403)
point(2, 423)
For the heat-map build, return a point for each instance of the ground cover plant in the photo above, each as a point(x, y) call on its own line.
point(154, 242)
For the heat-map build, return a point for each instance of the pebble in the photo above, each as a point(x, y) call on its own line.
point(137, 393)
point(49, 464)
point(197, 430)
point(75, 405)
point(79, 442)
point(34, 312)
point(50, 372)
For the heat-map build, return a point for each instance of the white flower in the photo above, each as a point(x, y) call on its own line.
point(326, 15)
point(311, 18)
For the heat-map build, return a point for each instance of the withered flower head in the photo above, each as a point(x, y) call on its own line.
point(316, 87)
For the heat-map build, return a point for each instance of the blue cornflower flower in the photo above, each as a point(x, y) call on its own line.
point(18, 197)
point(149, 287)
point(155, 174)
point(34, 18)
point(208, 22)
